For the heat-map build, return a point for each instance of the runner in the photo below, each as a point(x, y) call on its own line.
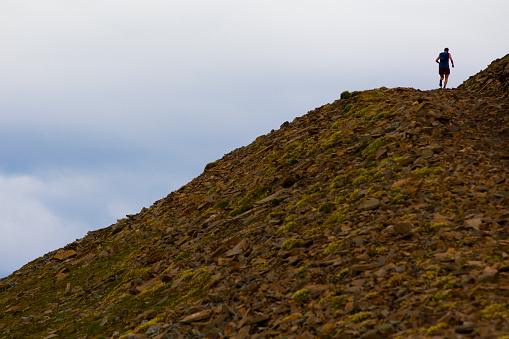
point(443, 65)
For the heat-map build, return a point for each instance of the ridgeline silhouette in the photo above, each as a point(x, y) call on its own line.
point(384, 214)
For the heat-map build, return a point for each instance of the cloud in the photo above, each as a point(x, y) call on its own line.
point(42, 213)
point(28, 227)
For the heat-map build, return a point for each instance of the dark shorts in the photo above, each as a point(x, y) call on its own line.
point(444, 70)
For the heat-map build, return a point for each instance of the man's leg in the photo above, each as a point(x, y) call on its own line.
point(446, 77)
point(441, 78)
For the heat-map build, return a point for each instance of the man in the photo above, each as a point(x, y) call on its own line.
point(443, 65)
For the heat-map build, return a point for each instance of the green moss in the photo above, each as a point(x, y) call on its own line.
point(302, 271)
point(181, 256)
point(368, 177)
point(287, 227)
point(399, 199)
point(347, 109)
point(336, 182)
point(300, 295)
point(254, 195)
point(495, 311)
point(335, 301)
point(342, 274)
point(447, 282)
point(337, 216)
point(291, 244)
point(240, 210)
point(441, 295)
point(349, 198)
point(334, 247)
point(360, 317)
point(334, 140)
point(326, 207)
point(364, 111)
point(374, 145)
point(425, 172)
point(344, 95)
point(432, 331)
point(222, 205)
point(293, 146)
point(438, 225)
point(397, 280)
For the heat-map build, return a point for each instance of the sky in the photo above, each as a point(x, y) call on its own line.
point(108, 106)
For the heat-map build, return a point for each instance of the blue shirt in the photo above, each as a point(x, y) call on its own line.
point(444, 60)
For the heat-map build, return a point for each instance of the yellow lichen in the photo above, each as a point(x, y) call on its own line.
point(291, 243)
point(334, 247)
point(300, 294)
point(434, 329)
point(360, 317)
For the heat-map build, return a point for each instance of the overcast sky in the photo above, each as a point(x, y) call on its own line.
point(108, 106)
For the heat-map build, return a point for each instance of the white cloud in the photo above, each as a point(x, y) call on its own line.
point(42, 213)
point(28, 227)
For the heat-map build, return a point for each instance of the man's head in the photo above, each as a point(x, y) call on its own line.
point(446, 49)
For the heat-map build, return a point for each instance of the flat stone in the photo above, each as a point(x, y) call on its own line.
point(65, 255)
point(198, 316)
point(403, 227)
point(473, 223)
point(488, 275)
point(369, 204)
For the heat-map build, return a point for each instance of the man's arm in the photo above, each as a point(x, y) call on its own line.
point(438, 58)
point(452, 62)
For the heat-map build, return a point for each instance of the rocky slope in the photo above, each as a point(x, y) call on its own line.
point(385, 214)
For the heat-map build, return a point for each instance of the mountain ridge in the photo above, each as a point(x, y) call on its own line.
point(382, 214)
